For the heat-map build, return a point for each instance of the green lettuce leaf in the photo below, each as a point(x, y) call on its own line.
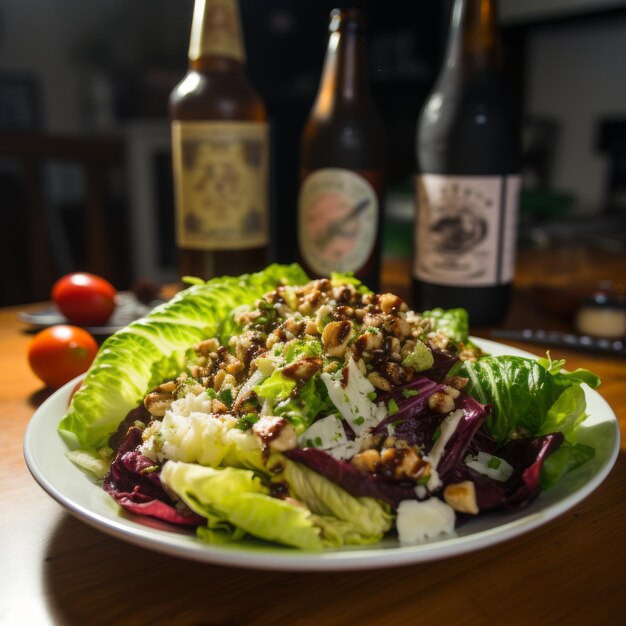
point(453, 323)
point(566, 414)
point(353, 520)
point(303, 408)
point(156, 348)
point(302, 348)
point(342, 518)
point(526, 397)
point(276, 387)
point(566, 378)
point(563, 460)
point(337, 278)
point(235, 502)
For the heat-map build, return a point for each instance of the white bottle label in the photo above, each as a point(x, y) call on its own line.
point(466, 229)
point(338, 219)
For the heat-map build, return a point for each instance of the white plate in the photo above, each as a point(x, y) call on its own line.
point(44, 451)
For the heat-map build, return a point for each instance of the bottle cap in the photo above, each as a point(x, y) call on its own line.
point(349, 20)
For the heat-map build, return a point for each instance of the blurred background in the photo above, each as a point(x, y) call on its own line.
point(85, 178)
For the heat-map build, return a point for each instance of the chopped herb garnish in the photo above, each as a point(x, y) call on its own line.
point(150, 469)
point(423, 480)
point(372, 395)
point(211, 393)
point(318, 441)
point(437, 433)
point(392, 407)
point(410, 393)
point(372, 329)
point(226, 396)
point(246, 422)
point(494, 462)
point(359, 420)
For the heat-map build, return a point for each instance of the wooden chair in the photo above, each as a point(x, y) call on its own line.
point(29, 266)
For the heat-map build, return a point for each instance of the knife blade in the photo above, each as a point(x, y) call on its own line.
point(563, 340)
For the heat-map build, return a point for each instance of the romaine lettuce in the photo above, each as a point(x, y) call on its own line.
point(451, 322)
point(235, 502)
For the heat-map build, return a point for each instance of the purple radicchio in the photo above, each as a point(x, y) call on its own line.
point(134, 483)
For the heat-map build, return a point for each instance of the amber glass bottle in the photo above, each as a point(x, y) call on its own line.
point(220, 151)
point(468, 153)
point(342, 162)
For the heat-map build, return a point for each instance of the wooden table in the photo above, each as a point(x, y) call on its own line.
point(57, 570)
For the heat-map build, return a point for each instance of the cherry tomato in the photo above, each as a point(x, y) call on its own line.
point(60, 353)
point(84, 299)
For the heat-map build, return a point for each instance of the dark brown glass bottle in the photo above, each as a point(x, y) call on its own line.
point(342, 162)
point(220, 152)
point(468, 157)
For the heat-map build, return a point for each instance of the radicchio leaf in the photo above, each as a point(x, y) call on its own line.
point(134, 483)
point(526, 456)
point(356, 483)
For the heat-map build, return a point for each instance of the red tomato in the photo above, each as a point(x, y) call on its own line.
point(85, 299)
point(60, 353)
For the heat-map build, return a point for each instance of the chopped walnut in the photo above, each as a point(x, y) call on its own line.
point(159, 400)
point(462, 497)
point(379, 381)
point(366, 461)
point(335, 338)
point(458, 382)
point(441, 402)
point(390, 303)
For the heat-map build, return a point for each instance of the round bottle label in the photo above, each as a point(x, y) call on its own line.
point(338, 220)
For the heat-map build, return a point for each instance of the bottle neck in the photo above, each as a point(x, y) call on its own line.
point(216, 40)
point(474, 42)
point(344, 77)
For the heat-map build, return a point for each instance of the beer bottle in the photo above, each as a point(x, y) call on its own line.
point(468, 157)
point(342, 162)
point(220, 151)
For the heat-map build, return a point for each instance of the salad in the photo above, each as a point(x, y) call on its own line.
point(317, 414)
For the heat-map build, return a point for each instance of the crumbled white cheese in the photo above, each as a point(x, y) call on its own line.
point(448, 426)
point(417, 521)
point(190, 433)
point(356, 408)
point(490, 465)
point(352, 401)
point(325, 433)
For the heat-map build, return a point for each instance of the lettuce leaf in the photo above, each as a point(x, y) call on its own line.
point(529, 397)
point(453, 323)
point(155, 348)
point(303, 408)
point(355, 520)
point(567, 458)
point(235, 502)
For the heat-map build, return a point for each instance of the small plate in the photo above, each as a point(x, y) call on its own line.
point(44, 451)
point(127, 310)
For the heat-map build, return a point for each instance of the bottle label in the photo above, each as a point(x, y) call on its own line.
point(221, 184)
point(216, 30)
point(466, 229)
point(338, 219)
